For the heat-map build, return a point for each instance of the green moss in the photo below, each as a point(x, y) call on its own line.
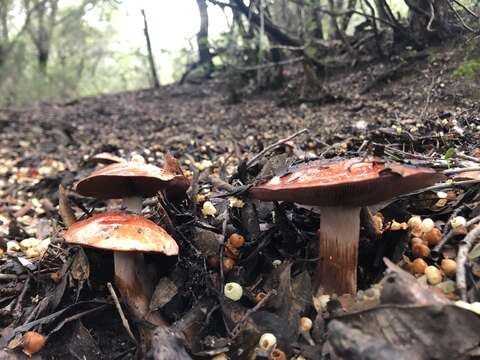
point(468, 69)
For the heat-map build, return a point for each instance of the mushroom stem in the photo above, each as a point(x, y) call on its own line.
point(133, 204)
point(134, 285)
point(338, 250)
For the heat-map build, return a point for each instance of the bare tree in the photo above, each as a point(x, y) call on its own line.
point(153, 69)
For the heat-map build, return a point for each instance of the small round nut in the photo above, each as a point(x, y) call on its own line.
point(32, 342)
point(236, 240)
point(434, 275)
point(228, 264)
point(260, 296)
point(305, 324)
point(427, 225)
point(433, 237)
point(233, 291)
point(267, 341)
point(418, 266)
point(277, 354)
point(449, 267)
point(420, 251)
point(458, 221)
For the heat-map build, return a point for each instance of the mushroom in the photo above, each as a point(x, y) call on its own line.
point(128, 236)
point(339, 189)
point(131, 181)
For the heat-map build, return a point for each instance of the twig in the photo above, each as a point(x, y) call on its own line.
point(468, 157)
point(269, 148)
point(462, 255)
point(241, 322)
point(120, 311)
point(442, 186)
point(64, 207)
point(460, 170)
point(12, 277)
point(18, 306)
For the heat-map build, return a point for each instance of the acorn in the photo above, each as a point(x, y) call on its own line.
point(417, 240)
point(420, 251)
point(434, 275)
point(236, 240)
point(427, 225)
point(228, 264)
point(260, 296)
point(32, 342)
point(418, 266)
point(267, 341)
point(433, 236)
point(449, 267)
point(277, 354)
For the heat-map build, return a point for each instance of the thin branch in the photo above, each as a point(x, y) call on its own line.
point(472, 237)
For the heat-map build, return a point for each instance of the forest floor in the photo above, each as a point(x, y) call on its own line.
point(413, 108)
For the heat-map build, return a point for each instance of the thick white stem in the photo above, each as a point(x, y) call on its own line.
point(338, 250)
point(133, 204)
point(134, 285)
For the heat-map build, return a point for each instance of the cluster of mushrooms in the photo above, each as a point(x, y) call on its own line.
point(338, 188)
point(127, 233)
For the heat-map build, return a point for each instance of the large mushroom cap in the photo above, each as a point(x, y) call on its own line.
point(121, 232)
point(128, 179)
point(353, 182)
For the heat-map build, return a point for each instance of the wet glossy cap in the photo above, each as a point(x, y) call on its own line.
point(127, 179)
point(121, 232)
point(353, 182)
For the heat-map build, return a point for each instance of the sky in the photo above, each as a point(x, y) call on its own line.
point(172, 25)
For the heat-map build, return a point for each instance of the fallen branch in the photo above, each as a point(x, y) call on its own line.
point(120, 311)
point(269, 148)
point(465, 245)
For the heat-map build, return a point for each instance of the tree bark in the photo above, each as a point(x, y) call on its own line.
point(156, 82)
point(204, 55)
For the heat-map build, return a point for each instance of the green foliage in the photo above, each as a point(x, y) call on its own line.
point(84, 59)
point(468, 69)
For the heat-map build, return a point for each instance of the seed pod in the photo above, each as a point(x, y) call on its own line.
point(449, 267)
point(420, 251)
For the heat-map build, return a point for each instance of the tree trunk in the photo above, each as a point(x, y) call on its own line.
point(156, 82)
point(429, 20)
point(204, 56)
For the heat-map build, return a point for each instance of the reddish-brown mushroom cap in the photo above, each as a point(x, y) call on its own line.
point(127, 179)
point(353, 182)
point(121, 232)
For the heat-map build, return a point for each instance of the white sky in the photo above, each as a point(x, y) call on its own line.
point(171, 23)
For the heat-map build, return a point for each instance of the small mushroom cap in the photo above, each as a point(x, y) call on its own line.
point(353, 182)
point(121, 232)
point(127, 179)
